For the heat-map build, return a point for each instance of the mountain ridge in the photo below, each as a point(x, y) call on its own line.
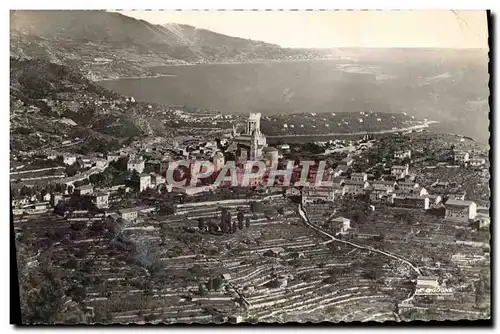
point(111, 45)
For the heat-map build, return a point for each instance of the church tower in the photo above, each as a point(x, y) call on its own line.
point(253, 124)
point(251, 140)
point(254, 146)
point(234, 133)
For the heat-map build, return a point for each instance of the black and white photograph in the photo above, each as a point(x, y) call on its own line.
point(250, 166)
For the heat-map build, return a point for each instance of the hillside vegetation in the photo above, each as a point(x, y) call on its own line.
point(54, 105)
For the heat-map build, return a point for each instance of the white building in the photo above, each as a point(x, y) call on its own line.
point(412, 202)
point(20, 201)
point(338, 171)
point(101, 163)
point(461, 157)
point(340, 224)
point(101, 200)
point(477, 162)
point(135, 164)
point(112, 157)
point(400, 171)
point(144, 182)
point(359, 177)
point(355, 187)
point(460, 210)
point(55, 198)
point(402, 154)
point(84, 190)
point(338, 189)
point(483, 220)
point(69, 159)
point(129, 213)
point(378, 192)
point(285, 147)
point(390, 186)
point(420, 191)
point(272, 154)
point(407, 186)
point(427, 282)
point(435, 199)
point(317, 195)
point(87, 162)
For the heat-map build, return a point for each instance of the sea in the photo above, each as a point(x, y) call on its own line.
point(453, 93)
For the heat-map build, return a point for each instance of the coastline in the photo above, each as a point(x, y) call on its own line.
point(209, 64)
point(415, 127)
point(137, 77)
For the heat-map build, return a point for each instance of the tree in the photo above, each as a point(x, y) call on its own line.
point(256, 207)
point(202, 290)
point(240, 217)
point(370, 274)
point(225, 227)
point(226, 221)
point(41, 294)
point(210, 284)
point(134, 177)
point(167, 208)
point(201, 224)
point(269, 253)
point(61, 188)
point(26, 191)
point(71, 170)
point(213, 228)
point(217, 283)
point(330, 280)
point(163, 233)
point(480, 292)
point(120, 164)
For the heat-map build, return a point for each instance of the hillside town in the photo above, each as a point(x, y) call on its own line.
point(243, 167)
point(405, 215)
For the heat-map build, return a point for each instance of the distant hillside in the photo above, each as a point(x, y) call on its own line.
point(54, 105)
point(106, 45)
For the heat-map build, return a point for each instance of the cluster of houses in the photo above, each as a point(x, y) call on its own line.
point(101, 199)
point(401, 192)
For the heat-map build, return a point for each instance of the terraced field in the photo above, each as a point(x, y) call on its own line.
point(430, 242)
point(278, 269)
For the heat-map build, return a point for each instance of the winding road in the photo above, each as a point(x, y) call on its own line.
point(306, 220)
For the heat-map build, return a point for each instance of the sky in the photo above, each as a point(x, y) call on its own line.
point(331, 29)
